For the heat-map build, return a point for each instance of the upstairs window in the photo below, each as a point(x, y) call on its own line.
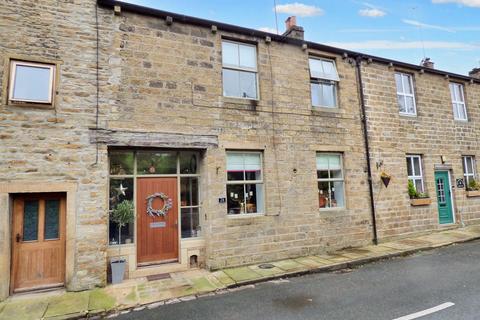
point(468, 169)
point(239, 70)
point(414, 170)
point(244, 183)
point(458, 101)
point(31, 82)
point(405, 94)
point(330, 180)
point(323, 82)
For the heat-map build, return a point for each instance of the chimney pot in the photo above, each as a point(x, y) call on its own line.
point(427, 63)
point(475, 73)
point(292, 30)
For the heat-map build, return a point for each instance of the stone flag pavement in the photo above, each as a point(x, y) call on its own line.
point(136, 294)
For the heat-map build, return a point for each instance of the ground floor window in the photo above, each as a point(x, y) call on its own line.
point(415, 173)
point(125, 166)
point(330, 180)
point(244, 183)
point(469, 170)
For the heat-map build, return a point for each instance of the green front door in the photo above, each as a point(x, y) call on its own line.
point(444, 198)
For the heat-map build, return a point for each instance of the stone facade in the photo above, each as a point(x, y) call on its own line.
point(160, 85)
point(433, 133)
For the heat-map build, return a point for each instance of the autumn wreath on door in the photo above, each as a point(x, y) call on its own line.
point(167, 205)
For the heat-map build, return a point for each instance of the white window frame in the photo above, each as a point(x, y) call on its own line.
point(415, 176)
point(406, 95)
point(458, 103)
point(244, 69)
point(245, 182)
point(334, 80)
point(469, 175)
point(342, 179)
point(13, 69)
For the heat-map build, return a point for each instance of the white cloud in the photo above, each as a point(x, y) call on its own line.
point(373, 13)
point(426, 26)
point(468, 3)
point(396, 45)
point(268, 29)
point(299, 9)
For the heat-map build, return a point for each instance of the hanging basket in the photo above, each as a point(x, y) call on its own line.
point(385, 180)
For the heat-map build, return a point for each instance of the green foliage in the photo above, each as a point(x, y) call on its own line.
point(473, 185)
point(123, 213)
point(412, 192)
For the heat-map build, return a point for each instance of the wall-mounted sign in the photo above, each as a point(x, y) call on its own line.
point(161, 224)
point(460, 183)
point(222, 200)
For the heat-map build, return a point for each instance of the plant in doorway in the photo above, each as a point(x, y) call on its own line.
point(122, 215)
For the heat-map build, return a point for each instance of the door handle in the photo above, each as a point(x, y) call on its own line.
point(18, 237)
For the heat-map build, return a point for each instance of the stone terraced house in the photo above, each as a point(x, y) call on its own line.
point(232, 145)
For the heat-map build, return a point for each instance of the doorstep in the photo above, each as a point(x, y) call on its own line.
point(139, 293)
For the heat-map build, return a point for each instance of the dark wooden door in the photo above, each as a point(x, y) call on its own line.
point(157, 236)
point(38, 241)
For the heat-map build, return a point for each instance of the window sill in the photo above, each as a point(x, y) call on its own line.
point(124, 245)
point(473, 193)
point(420, 202)
point(245, 215)
point(46, 106)
point(463, 121)
point(240, 100)
point(408, 115)
point(317, 109)
point(335, 209)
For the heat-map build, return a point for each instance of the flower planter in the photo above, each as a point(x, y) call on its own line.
point(118, 270)
point(473, 193)
point(420, 202)
point(385, 180)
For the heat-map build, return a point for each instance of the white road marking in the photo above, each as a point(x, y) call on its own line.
point(426, 312)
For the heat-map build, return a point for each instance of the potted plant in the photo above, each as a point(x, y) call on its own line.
point(385, 178)
point(417, 198)
point(473, 188)
point(122, 215)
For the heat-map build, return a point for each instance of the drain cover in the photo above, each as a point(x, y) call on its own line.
point(266, 266)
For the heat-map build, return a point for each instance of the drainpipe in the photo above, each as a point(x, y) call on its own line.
point(358, 64)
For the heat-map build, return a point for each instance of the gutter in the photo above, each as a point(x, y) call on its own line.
point(358, 65)
point(274, 37)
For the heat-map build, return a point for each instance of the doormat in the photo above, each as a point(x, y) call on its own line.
point(160, 276)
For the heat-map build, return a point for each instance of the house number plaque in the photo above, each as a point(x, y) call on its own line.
point(161, 224)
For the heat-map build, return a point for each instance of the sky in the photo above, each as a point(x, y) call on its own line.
point(446, 31)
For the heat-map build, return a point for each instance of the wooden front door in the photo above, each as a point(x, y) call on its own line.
point(444, 197)
point(157, 236)
point(38, 241)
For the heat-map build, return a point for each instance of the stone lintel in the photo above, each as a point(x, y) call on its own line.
point(152, 139)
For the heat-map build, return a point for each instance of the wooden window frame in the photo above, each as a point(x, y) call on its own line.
point(11, 83)
point(456, 103)
point(249, 70)
point(245, 182)
point(342, 179)
point(406, 95)
point(415, 176)
point(469, 175)
point(314, 80)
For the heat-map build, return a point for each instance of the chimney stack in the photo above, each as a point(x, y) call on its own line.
point(427, 63)
point(475, 73)
point(292, 30)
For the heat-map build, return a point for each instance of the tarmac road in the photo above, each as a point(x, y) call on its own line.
point(439, 284)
